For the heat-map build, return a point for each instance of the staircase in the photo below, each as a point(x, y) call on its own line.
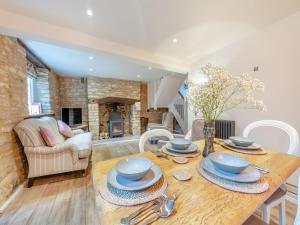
point(164, 93)
point(179, 109)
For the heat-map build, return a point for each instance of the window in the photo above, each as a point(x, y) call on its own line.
point(33, 107)
point(30, 91)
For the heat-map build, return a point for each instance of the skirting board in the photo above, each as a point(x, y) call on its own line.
point(11, 197)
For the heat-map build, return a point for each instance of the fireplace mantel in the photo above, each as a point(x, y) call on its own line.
point(128, 101)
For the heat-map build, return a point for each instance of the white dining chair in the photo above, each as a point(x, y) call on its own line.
point(153, 133)
point(278, 198)
point(255, 221)
point(297, 218)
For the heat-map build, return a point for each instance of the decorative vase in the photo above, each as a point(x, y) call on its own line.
point(209, 135)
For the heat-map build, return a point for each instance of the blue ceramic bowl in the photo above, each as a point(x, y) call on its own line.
point(133, 168)
point(180, 143)
point(228, 163)
point(241, 141)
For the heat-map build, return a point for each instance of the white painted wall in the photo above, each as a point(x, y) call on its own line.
point(276, 50)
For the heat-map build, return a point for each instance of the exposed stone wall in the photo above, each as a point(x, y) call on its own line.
point(93, 110)
point(104, 87)
point(54, 93)
point(136, 118)
point(144, 97)
point(14, 107)
point(73, 94)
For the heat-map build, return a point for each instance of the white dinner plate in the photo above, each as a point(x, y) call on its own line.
point(248, 175)
point(254, 146)
point(192, 148)
point(119, 182)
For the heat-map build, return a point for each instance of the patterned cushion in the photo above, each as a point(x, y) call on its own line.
point(64, 129)
point(48, 137)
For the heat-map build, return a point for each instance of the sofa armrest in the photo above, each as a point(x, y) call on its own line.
point(77, 131)
point(46, 150)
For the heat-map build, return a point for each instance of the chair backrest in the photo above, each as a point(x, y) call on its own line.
point(297, 218)
point(288, 129)
point(167, 120)
point(197, 130)
point(153, 133)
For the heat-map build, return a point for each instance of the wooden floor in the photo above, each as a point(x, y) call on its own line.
point(69, 198)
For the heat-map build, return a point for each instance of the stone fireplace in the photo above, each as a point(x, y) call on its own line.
point(125, 95)
point(114, 117)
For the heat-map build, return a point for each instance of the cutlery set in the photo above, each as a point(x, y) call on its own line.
point(161, 208)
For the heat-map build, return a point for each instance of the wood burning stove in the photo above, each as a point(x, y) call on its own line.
point(116, 125)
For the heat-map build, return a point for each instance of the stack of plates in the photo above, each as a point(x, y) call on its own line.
point(242, 143)
point(122, 183)
point(232, 172)
point(182, 146)
point(230, 167)
point(248, 175)
point(134, 174)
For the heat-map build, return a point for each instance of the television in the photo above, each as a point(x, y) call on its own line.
point(71, 116)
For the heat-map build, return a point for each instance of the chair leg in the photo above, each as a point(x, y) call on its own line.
point(266, 213)
point(281, 208)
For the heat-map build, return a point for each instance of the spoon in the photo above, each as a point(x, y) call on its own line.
point(136, 215)
point(261, 169)
point(164, 211)
point(161, 154)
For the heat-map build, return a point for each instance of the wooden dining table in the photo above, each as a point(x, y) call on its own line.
point(200, 201)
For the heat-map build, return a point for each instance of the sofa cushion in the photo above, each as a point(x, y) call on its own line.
point(48, 137)
point(29, 131)
point(64, 129)
point(83, 142)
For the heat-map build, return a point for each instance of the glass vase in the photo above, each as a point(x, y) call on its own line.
point(209, 135)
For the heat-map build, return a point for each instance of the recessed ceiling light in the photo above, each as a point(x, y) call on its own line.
point(175, 40)
point(138, 75)
point(149, 68)
point(91, 57)
point(89, 12)
point(91, 70)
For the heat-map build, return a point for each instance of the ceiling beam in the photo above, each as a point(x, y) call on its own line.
point(27, 28)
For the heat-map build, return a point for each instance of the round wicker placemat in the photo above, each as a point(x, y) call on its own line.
point(188, 155)
point(130, 198)
point(250, 188)
point(248, 152)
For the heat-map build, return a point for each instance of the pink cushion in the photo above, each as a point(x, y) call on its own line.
point(64, 129)
point(48, 137)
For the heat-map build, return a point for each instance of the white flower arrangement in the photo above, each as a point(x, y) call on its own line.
point(223, 92)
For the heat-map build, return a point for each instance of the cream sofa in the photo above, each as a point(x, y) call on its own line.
point(70, 155)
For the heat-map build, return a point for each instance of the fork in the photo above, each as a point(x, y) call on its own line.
point(261, 169)
point(136, 215)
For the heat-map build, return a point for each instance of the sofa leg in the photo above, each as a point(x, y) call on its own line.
point(83, 173)
point(28, 182)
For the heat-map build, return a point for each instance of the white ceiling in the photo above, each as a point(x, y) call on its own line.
point(73, 62)
point(201, 26)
